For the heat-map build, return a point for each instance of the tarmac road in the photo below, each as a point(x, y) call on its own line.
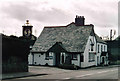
point(56, 74)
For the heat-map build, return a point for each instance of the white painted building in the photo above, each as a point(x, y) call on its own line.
point(75, 44)
point(30, 59)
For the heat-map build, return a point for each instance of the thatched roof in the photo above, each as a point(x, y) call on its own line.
point(73, 38)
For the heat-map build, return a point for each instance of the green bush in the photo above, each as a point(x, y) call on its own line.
point(118, 62)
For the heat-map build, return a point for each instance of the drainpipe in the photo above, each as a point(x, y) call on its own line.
point(96, 52)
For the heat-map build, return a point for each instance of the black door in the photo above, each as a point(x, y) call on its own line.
point(103, 60)
point(57, 59)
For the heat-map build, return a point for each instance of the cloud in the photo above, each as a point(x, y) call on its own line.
point(56, 12)
point(99, 13)
point(24, 11)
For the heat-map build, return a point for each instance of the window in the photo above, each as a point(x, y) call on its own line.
point(104, 48)
point(91, 47)
point(39, 55)
point(98, 48)
point(50, 55)
point(91, 57)
point(74, 56)
point(101, 48)
point(63, 57)
point(81, 58)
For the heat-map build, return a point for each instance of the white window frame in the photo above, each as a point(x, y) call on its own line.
point(91, 57)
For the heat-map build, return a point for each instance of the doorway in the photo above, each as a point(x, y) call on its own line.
point(103, 60)
point(98, 60)
point(57, 60)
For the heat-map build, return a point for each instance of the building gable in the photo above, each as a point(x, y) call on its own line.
point(57, 48)
point(99, 40)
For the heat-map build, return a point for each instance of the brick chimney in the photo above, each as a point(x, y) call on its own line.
point(79, 20)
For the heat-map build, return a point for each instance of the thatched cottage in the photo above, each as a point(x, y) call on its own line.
point(75, 44)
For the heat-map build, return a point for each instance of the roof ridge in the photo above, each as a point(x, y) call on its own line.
point(66, 25)
point(54, 26)
point(58, 26)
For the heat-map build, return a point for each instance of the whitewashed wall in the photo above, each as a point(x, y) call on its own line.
point(40, 60)
point(30, 59)
point(51, 61)
point(100, 51)
point(77, 62)
point(100, 47)
point(86, 62)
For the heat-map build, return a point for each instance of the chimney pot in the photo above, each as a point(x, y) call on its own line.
point(79, 20)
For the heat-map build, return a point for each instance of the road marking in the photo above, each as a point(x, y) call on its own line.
point(95, 73)
point(106, 71)
point(67, 78)
point(103, 71)
point(114, 70)
point(85, 75)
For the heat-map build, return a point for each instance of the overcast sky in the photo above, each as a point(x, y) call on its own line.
point(103, 14)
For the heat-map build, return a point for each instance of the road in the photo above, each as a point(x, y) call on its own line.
point(83, 74)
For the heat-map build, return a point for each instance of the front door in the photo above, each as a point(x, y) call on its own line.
point(57, 59)
point(97, 60)
point(103, 60)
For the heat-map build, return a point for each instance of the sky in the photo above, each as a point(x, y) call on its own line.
point(103, 14)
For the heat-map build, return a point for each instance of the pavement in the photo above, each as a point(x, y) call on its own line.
point(44, 71)
point(103, 67)
point(20, 75)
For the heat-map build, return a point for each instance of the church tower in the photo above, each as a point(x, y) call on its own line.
point(27, 29)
